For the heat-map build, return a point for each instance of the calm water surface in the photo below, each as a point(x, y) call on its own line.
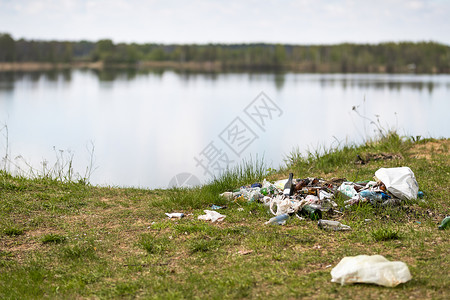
point(148, 127)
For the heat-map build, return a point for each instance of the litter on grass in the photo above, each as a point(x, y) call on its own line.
point(212, 215)
point(175, 215)
point(309, 197)
point(375, 269)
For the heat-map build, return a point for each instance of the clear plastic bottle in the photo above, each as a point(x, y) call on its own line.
point(332, 225)
point(280, 220)
point(377, 196)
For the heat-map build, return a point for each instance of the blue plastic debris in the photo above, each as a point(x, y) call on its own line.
point(217, 206)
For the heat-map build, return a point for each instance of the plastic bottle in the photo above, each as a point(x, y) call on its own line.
point(289, 186)
point(374, 196)
point(332, 225)
point(311, 212)
point(445, 223)
point(280, 220)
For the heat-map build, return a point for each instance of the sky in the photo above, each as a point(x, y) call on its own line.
point(228, 21)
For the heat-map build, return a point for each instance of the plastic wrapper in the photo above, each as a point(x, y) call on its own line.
point(212, 216)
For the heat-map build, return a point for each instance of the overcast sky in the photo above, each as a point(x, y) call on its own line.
point(228, 21)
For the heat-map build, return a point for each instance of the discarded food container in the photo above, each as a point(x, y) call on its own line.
point(311, 212)
point(280, 220)
point(374, 269)
point(445, 223)
point(332, 225)
point(175, 215)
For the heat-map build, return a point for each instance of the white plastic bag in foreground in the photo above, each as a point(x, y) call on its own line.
point(399, 181)
point(370, 269)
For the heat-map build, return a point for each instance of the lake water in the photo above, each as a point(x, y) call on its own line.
point(148, 127)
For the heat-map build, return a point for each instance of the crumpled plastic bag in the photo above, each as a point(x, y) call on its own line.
point(347, 188)
point(400, 182)
point(284, 206)
point(212, 216)
point(374, 269)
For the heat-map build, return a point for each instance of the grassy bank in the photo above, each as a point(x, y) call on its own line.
point(72, 240)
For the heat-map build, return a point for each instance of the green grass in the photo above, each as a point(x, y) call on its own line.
point(385, 234)
point(66, 240)
point(13, 231)
point(53, 239)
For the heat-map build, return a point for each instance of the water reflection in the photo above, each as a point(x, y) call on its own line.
point(379, 82)
point(280, 79)
point(9, 79)
point(345, 81)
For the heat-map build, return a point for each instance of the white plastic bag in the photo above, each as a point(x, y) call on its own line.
point(175, 215)
point(399, 181)
point(212, 216)
point(370, 269)
point(284, 205)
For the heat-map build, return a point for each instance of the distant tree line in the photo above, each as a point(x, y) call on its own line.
point(421, 57)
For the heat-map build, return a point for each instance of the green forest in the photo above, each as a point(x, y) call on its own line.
point(392, 57)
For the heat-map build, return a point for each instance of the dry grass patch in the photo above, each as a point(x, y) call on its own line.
point(426, 150)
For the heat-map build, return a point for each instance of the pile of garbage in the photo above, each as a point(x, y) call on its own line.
point(310, 197)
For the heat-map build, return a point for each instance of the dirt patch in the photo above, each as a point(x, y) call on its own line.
point(425, 151)
point(365, 158)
